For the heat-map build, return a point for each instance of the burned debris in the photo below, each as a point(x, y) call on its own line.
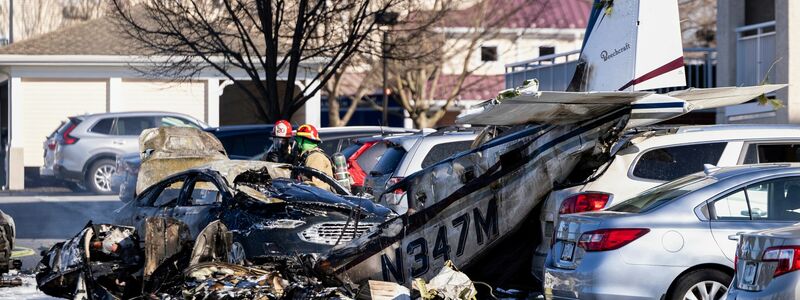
point(111, 262)
point(100, 262)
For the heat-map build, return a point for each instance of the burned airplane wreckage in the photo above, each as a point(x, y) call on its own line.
point(204, 225)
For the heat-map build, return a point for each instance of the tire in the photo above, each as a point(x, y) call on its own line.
point(98, 177)
point(714, 282)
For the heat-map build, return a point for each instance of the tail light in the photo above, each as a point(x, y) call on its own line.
point(68, 139)
point(395, 197)
point(609, 239)
point(51, 144)
point(584, 202)
point(788, 258)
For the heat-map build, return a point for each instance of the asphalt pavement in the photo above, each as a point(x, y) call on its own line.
point(42, 221)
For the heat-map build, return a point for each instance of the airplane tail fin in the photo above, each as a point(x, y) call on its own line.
point(630, 45)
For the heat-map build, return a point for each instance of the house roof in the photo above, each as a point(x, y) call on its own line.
point(96, 37)
point(561, 14)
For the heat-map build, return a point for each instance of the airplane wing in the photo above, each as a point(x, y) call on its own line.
point(548, 108)
point(722, 96)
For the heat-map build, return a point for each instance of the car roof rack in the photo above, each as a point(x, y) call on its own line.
point(456, 129)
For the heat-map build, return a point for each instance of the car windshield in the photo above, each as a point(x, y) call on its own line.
point(389, 161)
point(664, 193)
point(350, 150)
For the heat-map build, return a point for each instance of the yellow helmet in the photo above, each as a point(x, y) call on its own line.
point(308, 131)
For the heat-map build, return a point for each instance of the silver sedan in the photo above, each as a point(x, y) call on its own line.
point(675, 241)
point(766, 265)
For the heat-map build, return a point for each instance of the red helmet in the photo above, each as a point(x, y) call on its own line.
point(282, 129)
point(308, 131)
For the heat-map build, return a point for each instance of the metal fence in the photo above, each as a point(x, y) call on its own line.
point(755, 53)
point(554, 72)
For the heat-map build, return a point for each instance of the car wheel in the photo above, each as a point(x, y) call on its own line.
point(98, 177)
point(705, 284)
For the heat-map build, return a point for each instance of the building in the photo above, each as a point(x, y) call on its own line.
point(538, 28)
point(92, 68)
point(757, 42)
point(535, 30)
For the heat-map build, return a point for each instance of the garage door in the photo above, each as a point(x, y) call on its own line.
point(145, 95)
point(48, 102)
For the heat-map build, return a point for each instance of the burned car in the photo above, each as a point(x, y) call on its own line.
point(269, 211)
point(162, 261)
point(7, 240)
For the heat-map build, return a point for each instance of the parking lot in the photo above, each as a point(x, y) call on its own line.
point(43, 220)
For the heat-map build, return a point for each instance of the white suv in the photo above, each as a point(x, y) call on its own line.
point(650, 157)
point(405, 155)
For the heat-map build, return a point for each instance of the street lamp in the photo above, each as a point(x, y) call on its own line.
point(386, 18)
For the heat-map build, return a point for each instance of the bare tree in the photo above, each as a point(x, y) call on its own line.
point(32, 18)
point(698, 22)
point(269, 40)
point(83, 10)
point(359, 76)
point(422, 83)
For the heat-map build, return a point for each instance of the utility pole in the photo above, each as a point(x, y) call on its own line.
point(387, 18)
point(384, 90)
point(10, 21)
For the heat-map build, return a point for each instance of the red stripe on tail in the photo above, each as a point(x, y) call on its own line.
point(677, 63)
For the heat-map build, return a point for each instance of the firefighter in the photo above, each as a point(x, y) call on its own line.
point(281, 149)
point(310, 155)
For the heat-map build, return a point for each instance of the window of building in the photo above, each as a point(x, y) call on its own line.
point(488, 53)
point(547, 50)
point(758, 11)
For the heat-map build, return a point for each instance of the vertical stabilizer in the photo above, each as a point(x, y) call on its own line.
point(631, 45)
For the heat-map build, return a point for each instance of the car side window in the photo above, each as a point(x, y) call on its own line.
point(732, 207)
point(168, 195)
point(203, 192)
point(103, 126)
point(775, 200)
point(443, 151)
point(331, 146)
point(176, 121)
point(772, 153)
point(670, 163)
point(133, 125)
point(771, 200)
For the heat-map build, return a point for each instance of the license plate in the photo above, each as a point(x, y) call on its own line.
point(749, 273)
point(567, 252)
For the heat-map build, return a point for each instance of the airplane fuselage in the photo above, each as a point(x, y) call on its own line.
point(462, 207)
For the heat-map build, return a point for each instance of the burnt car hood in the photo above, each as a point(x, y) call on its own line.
point(168, 150)
point(300, 193)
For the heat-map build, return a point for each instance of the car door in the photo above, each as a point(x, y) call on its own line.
point(202, 197)
point(127, 129)
point(160, 201)
point(763, 204)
